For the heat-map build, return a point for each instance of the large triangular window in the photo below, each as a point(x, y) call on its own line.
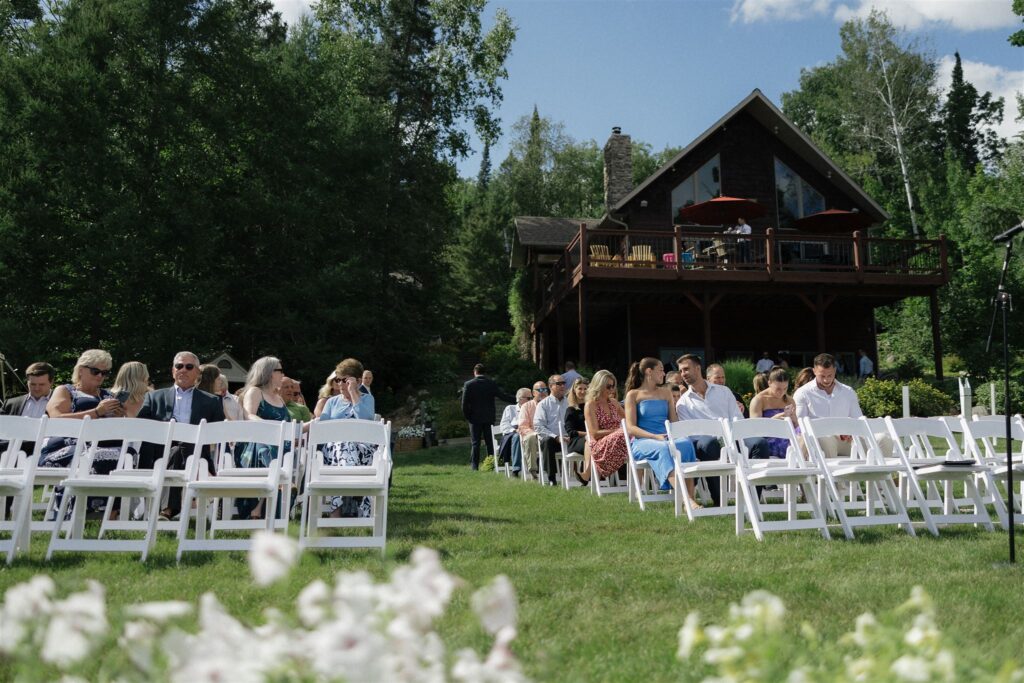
point(703, 185)
point(795, 197)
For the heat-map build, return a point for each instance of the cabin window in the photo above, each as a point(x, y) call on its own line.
point(703, 185)
point(796, 198)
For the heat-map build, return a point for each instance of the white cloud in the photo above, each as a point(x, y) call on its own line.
point(998, 80)
point(965, 15)
point(292, 10)
point(749, 11)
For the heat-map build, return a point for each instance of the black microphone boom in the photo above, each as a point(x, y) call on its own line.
point(1009, 234)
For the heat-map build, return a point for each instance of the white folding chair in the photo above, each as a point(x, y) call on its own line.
point(82, 483)
point(51, 477)
point(567, 459)
point(794, 474)
point(982, 441)
point(17, 479)
point(882, 504)
point(360, 480)
point(263, 484)
point(287, 465)
point(496, 438)
point(724, 468)
point(642, 484)
point(912, 444)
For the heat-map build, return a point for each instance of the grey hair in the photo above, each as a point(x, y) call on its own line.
point(180, 354)
point(261, 372)
point(525, 392)
point(92, 357)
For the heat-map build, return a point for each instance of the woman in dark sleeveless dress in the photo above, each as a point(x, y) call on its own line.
point(261, 400)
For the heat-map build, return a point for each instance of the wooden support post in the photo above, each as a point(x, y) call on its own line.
point(858, 255)
point(560, 336)
point(536, 344)
point(819, 315)
point(709, 349)
point(584, 252)
point(769, 252)
point(933, 301)
point(582, 360)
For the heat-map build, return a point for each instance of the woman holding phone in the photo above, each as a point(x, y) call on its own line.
point(775, 402)
point(349, 403)
point(131, 386)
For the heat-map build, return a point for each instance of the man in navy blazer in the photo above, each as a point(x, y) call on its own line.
point(185, 403)
point(478, 396)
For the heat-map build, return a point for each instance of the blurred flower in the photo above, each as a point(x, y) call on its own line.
point(313, 602)
point(77, 623)
point(496, 605)
point(690, 635)
point(159, 611)
point(272, 557)
point(910, 668)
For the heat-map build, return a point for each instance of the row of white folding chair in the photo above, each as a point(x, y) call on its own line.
point(360, 481)
point(982, 441)
point(496, 438)
point(724, 468)
point(641, 482)
point(567, 459)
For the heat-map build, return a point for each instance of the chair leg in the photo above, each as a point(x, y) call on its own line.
point(816, 507)
point(151, 521)
point(58, 523)
point(926, 513)
point(78, 516)
point(186, 504)
point(979, 506)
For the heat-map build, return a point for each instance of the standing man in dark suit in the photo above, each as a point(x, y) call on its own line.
point(185, 403)
point(478, 396)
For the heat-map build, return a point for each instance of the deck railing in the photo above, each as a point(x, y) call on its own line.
point(707, 254)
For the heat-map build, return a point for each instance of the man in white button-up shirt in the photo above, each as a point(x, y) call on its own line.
point(706, 401)
point(551, 413)
point(825, 397)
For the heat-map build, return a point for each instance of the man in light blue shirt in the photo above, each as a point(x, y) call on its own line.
point(551, 413)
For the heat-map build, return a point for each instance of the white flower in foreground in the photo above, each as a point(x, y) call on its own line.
point(159, 611)
point(864, 629)
point(909, 668)
point(138, 640)
point(763, 609)
point(919, 600)
point(313, 602)
point(690, 635)
point(496, 604)
point(923, 632)
point(23, 604)
point(272, 557)
point(421, 590)
point(723, 655)
point(499, 667)
point(77, 623)
point(860, 669)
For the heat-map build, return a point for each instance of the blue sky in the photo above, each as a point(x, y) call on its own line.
point(666, 70)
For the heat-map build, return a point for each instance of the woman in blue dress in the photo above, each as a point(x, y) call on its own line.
point(261, 400)
point(648, 405)
point(775, 402)
point(348, 404)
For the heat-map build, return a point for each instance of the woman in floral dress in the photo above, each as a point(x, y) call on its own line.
point(603, 413)
point(350, 403)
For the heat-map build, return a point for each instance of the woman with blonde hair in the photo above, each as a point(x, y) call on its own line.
point(349, 404)
point(131, 386)
point(332, 387)
point(606, 451)
point(648, 405)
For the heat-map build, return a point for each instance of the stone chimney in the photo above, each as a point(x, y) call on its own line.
point(618, 167)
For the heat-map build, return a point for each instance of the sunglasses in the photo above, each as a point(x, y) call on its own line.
point(281, 370)
point(184, 366)
point(337, 380)
point(542, 390)
point(609, 387)
point(96, 372)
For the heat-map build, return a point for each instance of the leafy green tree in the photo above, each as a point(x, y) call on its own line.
point(1017, 37)
point(968, 119)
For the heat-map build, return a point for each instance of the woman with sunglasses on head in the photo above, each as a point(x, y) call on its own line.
point(261, 400)
point(607, 447)
point(332, 387)
point(349, 404)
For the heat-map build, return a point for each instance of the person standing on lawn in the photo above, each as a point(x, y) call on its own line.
point(478, 396)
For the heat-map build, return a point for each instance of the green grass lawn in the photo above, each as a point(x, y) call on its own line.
point(603, 588)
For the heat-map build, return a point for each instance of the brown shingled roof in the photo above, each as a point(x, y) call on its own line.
point(544, 231)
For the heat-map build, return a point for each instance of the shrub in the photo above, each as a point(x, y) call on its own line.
point(509, 369)
point(739, 375)
point(488, 464)
point(449, 422)
point(879, 398)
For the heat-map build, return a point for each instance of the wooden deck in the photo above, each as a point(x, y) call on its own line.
point(709, 259)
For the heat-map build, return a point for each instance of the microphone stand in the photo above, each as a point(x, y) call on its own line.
point(1003, 302)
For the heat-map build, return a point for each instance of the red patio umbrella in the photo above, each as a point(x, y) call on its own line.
point(833, 221)
point(722, 211)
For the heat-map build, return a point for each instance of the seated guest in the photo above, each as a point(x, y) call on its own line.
point(775, 402)
point(131, 386)
point(716, 375)
point(827, 397)
point(676, 390)
point(349, 404)
point(365, 382)
point(761, 382)
point(261, 400)
point(710, 401)
point(549, 414)
point(648, 405)
point(575, 422)
point(528, 437)
point(83, 397)
point(676, 378)
point(232, 408)
point(186, 403)
point(803, 377)
point(294, 402)
point(607, 449)
point(39, 379)
point(332, 387)
point(510, 450)
point(208, 374)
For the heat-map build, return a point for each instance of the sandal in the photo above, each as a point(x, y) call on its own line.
point(694, 505)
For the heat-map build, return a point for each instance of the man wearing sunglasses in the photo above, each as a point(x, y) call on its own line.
point(478, 396)
point(551, 413)
point(185, 403)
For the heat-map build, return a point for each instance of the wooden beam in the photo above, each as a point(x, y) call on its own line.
point(709, 350)
point(933, 304)
point(582, 360)
point(694, 300)
point(560, 335)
